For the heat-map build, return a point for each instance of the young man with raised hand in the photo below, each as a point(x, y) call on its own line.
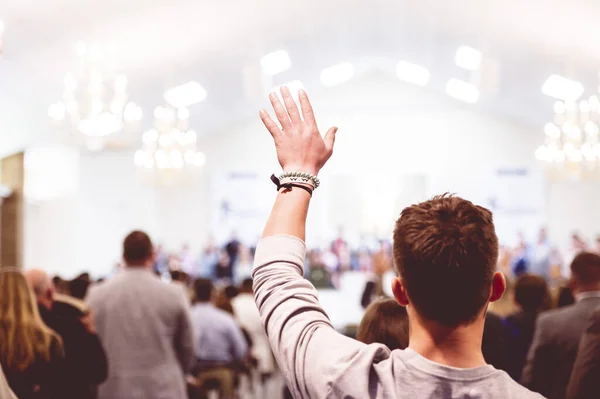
point(445, 251)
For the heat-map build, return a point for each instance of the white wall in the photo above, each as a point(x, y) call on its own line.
point(388, 132)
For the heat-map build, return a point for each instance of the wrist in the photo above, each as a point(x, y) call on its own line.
point(313, 170)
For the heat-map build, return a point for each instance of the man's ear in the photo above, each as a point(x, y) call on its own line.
point(399, 291)
point(498, 287)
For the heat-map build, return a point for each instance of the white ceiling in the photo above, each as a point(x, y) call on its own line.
point(161, 43)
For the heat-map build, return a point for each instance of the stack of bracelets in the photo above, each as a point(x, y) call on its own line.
point(289, 180)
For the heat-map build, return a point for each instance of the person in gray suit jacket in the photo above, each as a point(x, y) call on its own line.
point(554, 348)
point(145, 327)
point(585, 381)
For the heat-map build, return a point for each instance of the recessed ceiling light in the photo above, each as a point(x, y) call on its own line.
point(186, 94)
point(337, 74)
point(468, 58)
point(462, 90)
point(562, 88)
point(275, 62)
point(412, 73)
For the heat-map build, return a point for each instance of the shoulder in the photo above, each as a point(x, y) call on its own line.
point(553, 316)
point(516, 390)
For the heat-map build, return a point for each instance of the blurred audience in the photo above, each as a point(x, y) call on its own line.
point(31, 354)
point(532, 297)
point(384, 322)
point(585, 377)
point(557, 332)
point(85, 360)
point(145, 327)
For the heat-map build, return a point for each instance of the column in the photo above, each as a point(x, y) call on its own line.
point(12, 211)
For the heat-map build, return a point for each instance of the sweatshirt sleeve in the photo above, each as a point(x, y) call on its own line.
point(310, 353)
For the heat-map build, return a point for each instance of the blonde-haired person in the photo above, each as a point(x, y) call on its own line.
point(31, 354)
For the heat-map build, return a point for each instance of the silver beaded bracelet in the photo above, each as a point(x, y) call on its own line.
point(301, 177)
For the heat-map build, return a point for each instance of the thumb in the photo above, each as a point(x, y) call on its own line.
point(330, 138)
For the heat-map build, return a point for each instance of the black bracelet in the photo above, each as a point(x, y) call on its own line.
point(288, 186)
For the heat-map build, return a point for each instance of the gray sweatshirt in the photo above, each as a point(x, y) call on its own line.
point(318, 362)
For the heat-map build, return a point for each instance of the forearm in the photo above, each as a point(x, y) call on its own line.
point(288, 216)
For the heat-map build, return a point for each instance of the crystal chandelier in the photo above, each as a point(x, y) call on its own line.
point(94, 103)
point(571, 148)
point(170, 147)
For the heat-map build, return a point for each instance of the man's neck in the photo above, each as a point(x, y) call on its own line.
point(456, 347)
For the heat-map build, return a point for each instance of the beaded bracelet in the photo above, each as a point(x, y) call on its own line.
point(300, 177)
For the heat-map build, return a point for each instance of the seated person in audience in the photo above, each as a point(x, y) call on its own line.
point(85, 360)
point(585, 377)
point(384, 322)
point(532, 296)
point(247, 314)
point(446, 252)
point(31, 354)
point(219, 342)
point(218, 339)
point(145, 327)
point(557, 332)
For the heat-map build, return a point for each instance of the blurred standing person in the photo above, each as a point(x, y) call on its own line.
point(577, 246)
point(219, 341)
point(208, 260)
point(160, 264)
point(186, 260)
point(540, 260)
point(85, 359)
point(584, 383)
point(520, 259)
point(532, 297)
point(31, 354)
point(233, 250)
point(247, 314)
point(145, 327)
point(223, 270)
point(557, 332)
point(243, 269)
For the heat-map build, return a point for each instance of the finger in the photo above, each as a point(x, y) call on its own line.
point(280, 111)
point(269, 123)
point(330, 138)
point(307, 111)
point(290, 104)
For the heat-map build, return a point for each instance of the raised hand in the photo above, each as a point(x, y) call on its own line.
point(299, 144)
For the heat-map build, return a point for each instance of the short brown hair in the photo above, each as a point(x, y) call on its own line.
point(446, 250)
point(585, 268)
point(385, 322)
point(137, 248)
point(531, 293)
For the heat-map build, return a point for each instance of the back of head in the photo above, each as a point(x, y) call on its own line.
point(446, 250)
point(246, 286)
point(24, 338)
point(203, 288)
point(137, 249)
point(384, 322)
point(585, 271)
point(531, 293)
point(231, 291)
point(78, 288)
